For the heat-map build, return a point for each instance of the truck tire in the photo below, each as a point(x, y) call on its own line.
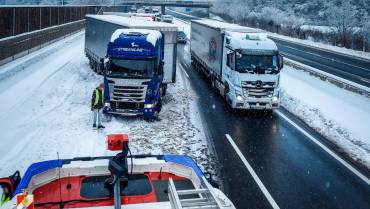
point(213, 84)
point(164, 90)
point(229, 108)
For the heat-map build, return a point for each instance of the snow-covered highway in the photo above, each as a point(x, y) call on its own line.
point(279, 159)
point(45, 109)
point(263, 160)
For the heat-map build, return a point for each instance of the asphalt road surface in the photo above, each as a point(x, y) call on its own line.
point(350, 68)
point(347, 67)
point(295, 172)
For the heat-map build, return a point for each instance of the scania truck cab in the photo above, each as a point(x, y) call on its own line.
point(137, 59)
point(134, 73)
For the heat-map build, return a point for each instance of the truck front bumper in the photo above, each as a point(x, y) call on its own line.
point(123, 112)
point(257, 104)
point(146, 112)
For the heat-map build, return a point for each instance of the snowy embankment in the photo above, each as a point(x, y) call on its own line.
point(341, 116)
point(45, 109)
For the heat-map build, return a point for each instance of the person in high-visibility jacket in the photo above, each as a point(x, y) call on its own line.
point(97, 104)
point(6, 196)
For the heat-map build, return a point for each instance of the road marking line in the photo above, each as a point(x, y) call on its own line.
point(183, 70)
point(254, 175)
point(334, 155)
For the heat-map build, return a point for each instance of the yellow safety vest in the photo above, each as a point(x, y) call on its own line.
point(97, 97)
point(4, 200)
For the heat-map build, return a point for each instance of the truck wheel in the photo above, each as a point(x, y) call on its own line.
point(229, 108)
point(164, 90)
point(159, 108)
point(213, 84)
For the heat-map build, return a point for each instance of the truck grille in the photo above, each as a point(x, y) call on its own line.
point(258, 89)
point(123, 92)
point(129, 93)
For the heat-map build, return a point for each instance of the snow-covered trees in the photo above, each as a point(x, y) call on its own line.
point(296, 18)
point(366, 34)
point(342, 16)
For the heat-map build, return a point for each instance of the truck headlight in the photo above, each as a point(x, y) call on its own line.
point(149, 106)
point(239, 98)
point(275, 99)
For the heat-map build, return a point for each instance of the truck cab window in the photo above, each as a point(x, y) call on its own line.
point(249, 63)
point(126, 68)
point(230, 60)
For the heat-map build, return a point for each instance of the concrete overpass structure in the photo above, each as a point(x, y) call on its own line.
point(169, 3)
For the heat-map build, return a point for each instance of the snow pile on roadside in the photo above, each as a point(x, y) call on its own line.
point(341, 116)
point(47, 110)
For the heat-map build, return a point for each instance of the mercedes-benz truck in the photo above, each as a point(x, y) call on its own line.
point(241, 63)
point(137, 59)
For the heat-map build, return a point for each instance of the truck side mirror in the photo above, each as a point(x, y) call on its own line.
point(281, 61)
point(228, 58)
point(106, 63)
point(227, 40)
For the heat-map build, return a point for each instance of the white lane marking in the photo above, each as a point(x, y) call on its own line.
point(254, 175)
point(183, 70)
point(343, 162)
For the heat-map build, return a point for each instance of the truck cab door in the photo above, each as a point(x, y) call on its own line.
point(230, 64)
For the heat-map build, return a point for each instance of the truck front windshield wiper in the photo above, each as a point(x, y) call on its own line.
point(246, 69)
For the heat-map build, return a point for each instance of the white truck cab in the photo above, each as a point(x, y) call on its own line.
point(251, 70)
point(242, 63)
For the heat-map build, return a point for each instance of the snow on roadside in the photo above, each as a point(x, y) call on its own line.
point(341, 116)
point(48, 111)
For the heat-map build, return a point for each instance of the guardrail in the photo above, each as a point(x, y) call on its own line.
point(340, 82)
point(17, 46)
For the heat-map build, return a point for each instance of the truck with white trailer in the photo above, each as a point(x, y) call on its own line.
point(241, 63)
point(137, 59)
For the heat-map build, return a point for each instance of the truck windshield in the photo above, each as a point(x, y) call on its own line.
point(125, 68)
point(249, 63)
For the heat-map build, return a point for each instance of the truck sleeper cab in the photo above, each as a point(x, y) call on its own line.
point(134, 73)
